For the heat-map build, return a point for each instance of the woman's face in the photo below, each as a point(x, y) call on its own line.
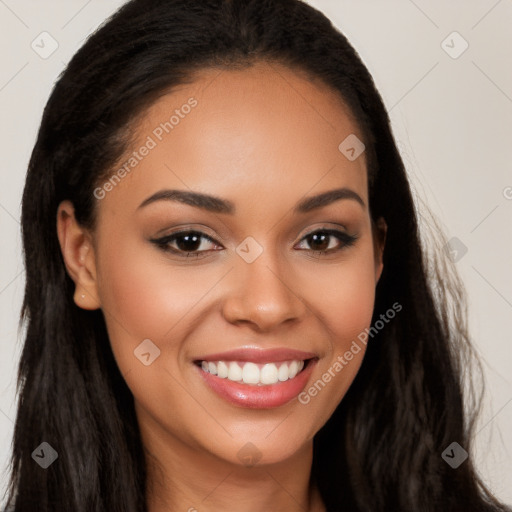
point(249, 286)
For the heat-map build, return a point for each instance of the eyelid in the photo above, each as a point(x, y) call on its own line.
point(344, 238)
point(163, 241)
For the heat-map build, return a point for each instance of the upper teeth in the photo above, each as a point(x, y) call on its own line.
point(252, 373)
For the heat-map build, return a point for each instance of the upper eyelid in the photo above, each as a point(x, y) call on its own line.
point(215, 241)
point(346, 226)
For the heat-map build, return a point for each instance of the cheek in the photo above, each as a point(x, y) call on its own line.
point(345, 309)
point(344, 299)
point(143, 296)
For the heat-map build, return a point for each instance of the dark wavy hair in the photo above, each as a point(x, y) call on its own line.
point(381, 449)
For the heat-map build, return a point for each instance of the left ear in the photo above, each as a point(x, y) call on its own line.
point(380, 229)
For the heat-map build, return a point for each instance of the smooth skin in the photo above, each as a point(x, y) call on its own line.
point(264, 138)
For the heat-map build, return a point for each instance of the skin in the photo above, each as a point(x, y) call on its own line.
point(264, 138)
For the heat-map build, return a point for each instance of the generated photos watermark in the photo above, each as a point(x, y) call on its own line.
point(343, 359)
point(157, 135)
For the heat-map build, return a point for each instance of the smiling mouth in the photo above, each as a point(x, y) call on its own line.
point(254, 374)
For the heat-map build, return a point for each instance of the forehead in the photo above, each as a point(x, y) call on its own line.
point(256, 132)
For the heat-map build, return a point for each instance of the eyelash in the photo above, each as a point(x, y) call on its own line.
point(163, 243)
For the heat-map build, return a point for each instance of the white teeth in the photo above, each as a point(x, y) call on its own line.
point(282, 374)
point(292, 369)
point(252, 373)
point(222, 369)
point(235, 372)
point(268, 374)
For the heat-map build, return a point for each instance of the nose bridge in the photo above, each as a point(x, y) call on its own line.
point(260, 292)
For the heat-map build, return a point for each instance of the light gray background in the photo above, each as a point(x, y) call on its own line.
point(452, 118)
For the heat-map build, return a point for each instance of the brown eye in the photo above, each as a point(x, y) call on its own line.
point(320, 241)
point(187, 242)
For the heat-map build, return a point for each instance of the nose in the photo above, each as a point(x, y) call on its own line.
point(263, 294)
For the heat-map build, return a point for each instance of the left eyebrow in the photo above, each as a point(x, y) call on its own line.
point(218, 205)
point(326, 198)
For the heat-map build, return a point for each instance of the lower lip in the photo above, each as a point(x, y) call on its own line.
point(259, 397)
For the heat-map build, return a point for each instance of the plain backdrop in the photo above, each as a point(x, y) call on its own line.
point(443, 69)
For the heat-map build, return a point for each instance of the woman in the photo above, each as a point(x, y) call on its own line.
point(227, 302)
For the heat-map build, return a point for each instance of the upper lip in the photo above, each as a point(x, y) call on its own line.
point(258, 355)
